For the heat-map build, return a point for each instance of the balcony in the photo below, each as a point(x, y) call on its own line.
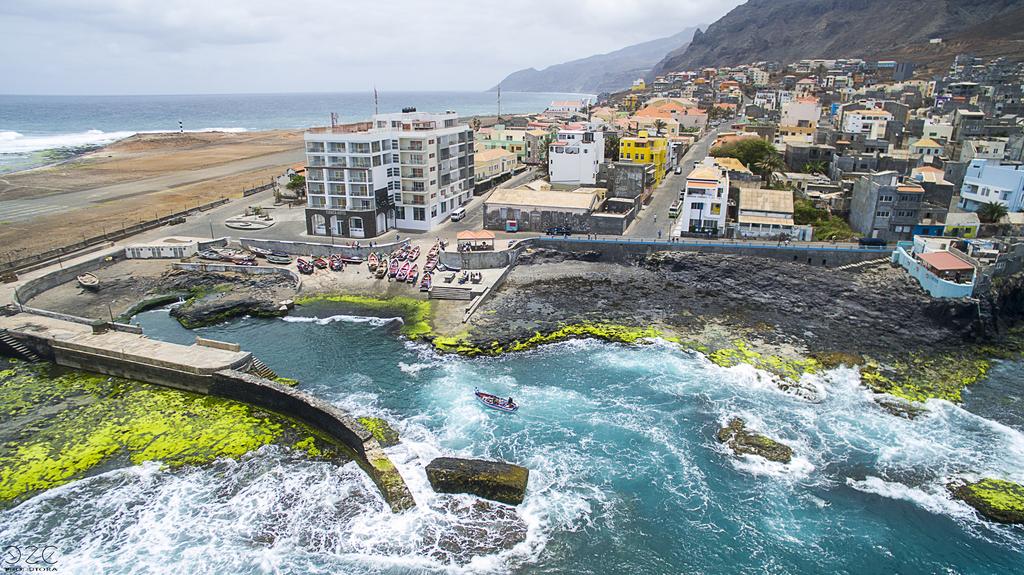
point(360, 163)
point(412, 147)
point(411, 200)
point(337, 162)
point(314, 147)
point(315, 161)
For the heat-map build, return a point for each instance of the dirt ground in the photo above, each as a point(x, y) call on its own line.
point(145, 156)
point(123, 284)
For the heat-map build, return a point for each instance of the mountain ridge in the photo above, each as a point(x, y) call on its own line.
point(606, 72)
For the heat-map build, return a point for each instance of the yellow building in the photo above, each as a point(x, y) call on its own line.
point(639, 85)
point(645, 149)
point(493, 163)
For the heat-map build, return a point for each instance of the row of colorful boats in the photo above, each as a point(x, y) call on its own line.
point(400, 265)
point(334, 262)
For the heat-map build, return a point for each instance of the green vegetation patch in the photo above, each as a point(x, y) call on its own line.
point(996, 499)
point(826, 226)
point(462, 345)
point(786, 368)
point(921, 378)
point(415, 313)
point(381, 430)
point(56, 425)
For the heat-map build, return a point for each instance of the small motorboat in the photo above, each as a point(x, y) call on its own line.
point(372, 261)
point(281, 259)
point(430, 265)
point(351, 259)
point(228, 254)
point(260, 252)
point(393, 267)
point(336, 264)
point(426, 282)
point(320, 263)
point(494, 402)
point(414, 254)
point(305, 267)
point(463, 277)
point(89, 281)
point(209, 255)
point(414, 274)
point(403, 272)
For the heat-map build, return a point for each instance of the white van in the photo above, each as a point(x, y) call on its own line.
point(458, 214)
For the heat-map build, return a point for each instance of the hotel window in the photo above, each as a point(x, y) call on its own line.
point(355, 223)
point(433, 211)
point(400, 212)
point(419, 214)
point(882, 213)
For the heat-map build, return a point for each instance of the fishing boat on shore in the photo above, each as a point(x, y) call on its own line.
point(436, 249)
point(372, 261)
point(209, 255)
point(336, 263)
point(414, 254)
point(244, 261)
point(279, 258)
point(427, 282)
point(304, 266)
point(494, 402)
point(414, 274)
point(88, 281)
point(351, 259)
point(403, 272)
point(382, 269)
point(320, 263)
point(260, 252)
point(393, 267)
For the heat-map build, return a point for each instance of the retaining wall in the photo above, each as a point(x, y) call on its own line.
point(34, 287)
point(320, 249)
point(479, 260)
point(626, 250)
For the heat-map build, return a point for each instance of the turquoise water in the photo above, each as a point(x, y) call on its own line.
point(626, 476)
point(29, 125)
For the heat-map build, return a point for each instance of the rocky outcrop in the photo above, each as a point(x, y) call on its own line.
point(382, 431)
point(202, 313)
point(998, 500)
point(743, 442)
point(791, 30)
point(502, 482)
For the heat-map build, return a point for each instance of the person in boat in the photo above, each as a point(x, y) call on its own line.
point(510, 402)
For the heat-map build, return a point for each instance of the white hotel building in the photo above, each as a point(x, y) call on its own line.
point(574, 157)
point(404, 171)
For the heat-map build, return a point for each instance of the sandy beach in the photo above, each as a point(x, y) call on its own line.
point(135, 179)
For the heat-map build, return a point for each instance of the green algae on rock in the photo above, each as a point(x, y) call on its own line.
point(790, 369)
point(415, 313)
point(996, 499)
point(743, 442)
point(58, 425)
point(462, 344)
point(381, 430)
point(923, 378)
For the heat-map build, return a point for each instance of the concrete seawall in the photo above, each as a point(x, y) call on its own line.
point(319, 249)
point(208, 368)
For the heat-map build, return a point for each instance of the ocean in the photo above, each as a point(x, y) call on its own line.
point(38, 129)
point(626, 474)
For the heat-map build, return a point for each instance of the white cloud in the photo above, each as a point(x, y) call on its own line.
point(174, 46)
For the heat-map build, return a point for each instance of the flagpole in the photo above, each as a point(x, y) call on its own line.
point(499, 103)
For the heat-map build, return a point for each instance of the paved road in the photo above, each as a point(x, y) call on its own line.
point(646, 224)
point(18, 210)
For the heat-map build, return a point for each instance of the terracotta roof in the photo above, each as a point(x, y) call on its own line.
point(945, 261)
point(910, 189)
point(926, 143)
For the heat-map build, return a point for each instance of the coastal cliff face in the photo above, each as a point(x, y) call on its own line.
point(791, 30)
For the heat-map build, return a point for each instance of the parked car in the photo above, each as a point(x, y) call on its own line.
point(458, 214)
point(679, 170)
point(872, 242)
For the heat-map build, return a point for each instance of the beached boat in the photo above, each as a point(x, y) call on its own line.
point(372, 261)
point(393, 267)
point(403, 272)
point(320, 263)
point(89, 281)
point(414, 253)
point(434, 251)
point(244, 261)
point(382, 269)
point(260, 252)
point(427, 282)
point(352, 259)
point(336, 264)
point(279, 259)
point(414, 274)
point(494, 402)
point(430, 265)
point(304, 266)
point(209, 255)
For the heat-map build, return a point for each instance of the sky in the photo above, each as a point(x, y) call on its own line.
point(243, 46)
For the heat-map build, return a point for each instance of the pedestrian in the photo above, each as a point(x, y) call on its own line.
point(655, 218)
point(659, 234)
point(398, 237)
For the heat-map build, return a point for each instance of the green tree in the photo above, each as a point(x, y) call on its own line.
point(991, 213)
point(297, 184)
point(659, 126)
point(769, 165)
point(750, 151)
point(611, 146)
point(815, 167)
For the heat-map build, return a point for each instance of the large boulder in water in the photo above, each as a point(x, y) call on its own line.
point(743, 442)
point(998, 500)
point(502, 482)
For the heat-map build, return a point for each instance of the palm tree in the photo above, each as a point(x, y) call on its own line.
point(769, 165)
point(659, 126)
point(991, 212)
point(815, 167)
